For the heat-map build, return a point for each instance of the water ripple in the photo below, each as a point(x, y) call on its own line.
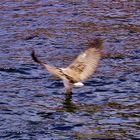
point(33, 104)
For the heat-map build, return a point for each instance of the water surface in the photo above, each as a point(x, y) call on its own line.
point(33, 105)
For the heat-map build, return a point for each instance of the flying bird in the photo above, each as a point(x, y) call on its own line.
point(81, 68)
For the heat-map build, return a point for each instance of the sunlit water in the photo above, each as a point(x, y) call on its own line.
point(32, 102)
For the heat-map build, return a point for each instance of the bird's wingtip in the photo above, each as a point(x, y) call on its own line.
point(34, 56)
point(96, 43)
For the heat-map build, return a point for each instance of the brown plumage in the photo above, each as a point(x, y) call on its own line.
point(81, 68)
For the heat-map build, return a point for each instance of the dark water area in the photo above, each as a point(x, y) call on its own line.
point(32, 102)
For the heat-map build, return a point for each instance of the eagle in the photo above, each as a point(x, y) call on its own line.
point(80, 69)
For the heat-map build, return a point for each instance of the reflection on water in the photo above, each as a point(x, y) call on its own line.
point(68, 105)
point(33, 105)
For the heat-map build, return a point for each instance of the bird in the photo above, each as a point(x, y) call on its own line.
point(80, 69)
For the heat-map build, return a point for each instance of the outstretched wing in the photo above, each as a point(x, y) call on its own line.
point(56, 71)
point(85, 64)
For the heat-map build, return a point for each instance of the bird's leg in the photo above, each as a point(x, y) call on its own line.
point(68, 87)
point(68, 97)
point(68, 91)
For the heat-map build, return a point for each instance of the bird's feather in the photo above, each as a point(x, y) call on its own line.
point(81, 68)
point(85, 64)
point(54, 70)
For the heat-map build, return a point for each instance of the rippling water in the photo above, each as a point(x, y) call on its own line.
point(33, 105)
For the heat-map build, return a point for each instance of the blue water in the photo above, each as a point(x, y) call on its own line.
point(32, 102)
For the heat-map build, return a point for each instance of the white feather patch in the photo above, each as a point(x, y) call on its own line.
point(78, 84)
